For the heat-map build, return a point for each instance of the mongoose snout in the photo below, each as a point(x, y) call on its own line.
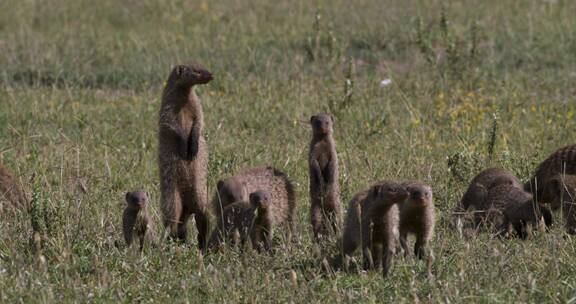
point(260, 199)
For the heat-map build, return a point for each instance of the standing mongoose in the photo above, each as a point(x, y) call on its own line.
point(136, 220)
point(254, 220)
point(512, 207)
point(562, 161)
point(268, 179)
point(561, 190)
point(323, 170)
point(372, 224)
point(10, 191)
point(182, 155)
point(417, 217)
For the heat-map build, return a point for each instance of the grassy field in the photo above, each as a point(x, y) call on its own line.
point(474, 84)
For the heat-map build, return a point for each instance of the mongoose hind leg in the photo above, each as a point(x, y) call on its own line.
point(172, 212)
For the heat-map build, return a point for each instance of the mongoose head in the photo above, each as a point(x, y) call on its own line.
point(419, 193)
point(260, 199)
point(502, 180)
point(388, 193)
point(187, 75)
point(559, 190)
point(136, 199)
point(322, 124)
point(232, 190)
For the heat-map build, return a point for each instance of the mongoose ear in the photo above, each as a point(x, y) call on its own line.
point(312, 118)
point(127, 197)
point(376, 190)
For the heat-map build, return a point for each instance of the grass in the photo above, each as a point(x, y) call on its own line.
point(80, 88)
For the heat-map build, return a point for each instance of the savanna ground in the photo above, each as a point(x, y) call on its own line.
point(474, 84)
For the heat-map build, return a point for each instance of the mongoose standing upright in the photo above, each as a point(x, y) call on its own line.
point(561, 190)
point(562, 161)
point(136, 220)
point(10, 191)
point(324, 184)
point(182, 156)
point(372, 223)
point(417, 217)
point(510, 206)
point(269, 179)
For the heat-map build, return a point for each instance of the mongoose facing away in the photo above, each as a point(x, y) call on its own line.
point(323, 170)
point(136, 220)
point(561, 190)
point(252, 220)
point(10, 191)
point(269, 179)
point(475, 195)
point(417, 217)
point(514, 207)
point(372, 224)
point(562, 161)
point(182, 155)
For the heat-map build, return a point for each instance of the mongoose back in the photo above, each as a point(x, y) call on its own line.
point(372, 224)
point(268, 179)
point(513, 207)
point(136, 220)
point(475, 195)
point(182, 155)
point(323, 171)
point(417, 217)
point(10, 191)
point(561, 190)
point(562, 161)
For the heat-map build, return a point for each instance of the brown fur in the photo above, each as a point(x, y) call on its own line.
point(136, 219)
point(372, 222)
point(324, 184)
point(475, 196)
point(11, 192)
point(510, 206)
point(182, 155)
point(561, 190)
point(417, 217)
point(562, 161)
point(268, 179)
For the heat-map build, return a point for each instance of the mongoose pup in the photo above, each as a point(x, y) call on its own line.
point(561, 190)
point(10, 191)
point(372, 224)
point(136, 220)
point(254, 220)
point(512, 207)
point(182, 155)
point(268, 179)
point(563, 161)
point(417, 217)
point(324, 185)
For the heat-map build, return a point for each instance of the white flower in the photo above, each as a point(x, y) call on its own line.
point(386, 82)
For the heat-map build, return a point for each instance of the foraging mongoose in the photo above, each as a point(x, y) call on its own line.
point(268, 179)
point(136, 220)
point(562, 161)
point(182, 155)
point(372, 224)
point(476, 193)
point(513, 207)
point(561, 190)
point(417, 217)
point(324, 184)
point(10, 191)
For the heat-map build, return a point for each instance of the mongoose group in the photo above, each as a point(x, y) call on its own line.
point(249, 207)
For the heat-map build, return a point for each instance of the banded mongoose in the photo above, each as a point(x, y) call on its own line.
point(324, 184)
point(475, 195)
point(268, 179)
point(182, 155)
point(562, 161)
point(417, 217)
point(136, 220)
point(561, 190)
point(372, 224)
point(10, 192)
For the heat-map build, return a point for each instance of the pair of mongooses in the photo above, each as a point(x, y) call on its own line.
point(137, 221)
point(324, 184)
point(182, 153)
point(380, 215)
point(496, 197)
point(265, 190)
point(10, 192)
